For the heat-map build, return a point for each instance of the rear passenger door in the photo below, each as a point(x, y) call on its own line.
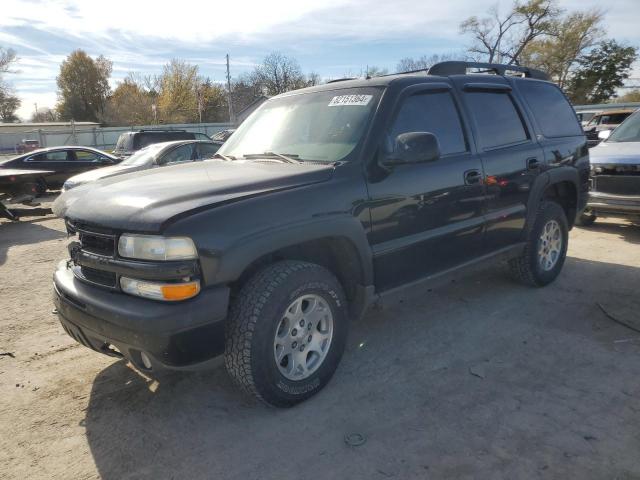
point(511, 158)
point(426, 217)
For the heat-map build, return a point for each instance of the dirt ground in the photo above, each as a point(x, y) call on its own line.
point(479, 378)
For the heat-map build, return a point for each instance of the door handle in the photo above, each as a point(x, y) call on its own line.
point(533, 163)
point(472, 177)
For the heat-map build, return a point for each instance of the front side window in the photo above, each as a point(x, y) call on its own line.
point(496, 118)
point(433, 113)
point(87, 156)
point(321, 126)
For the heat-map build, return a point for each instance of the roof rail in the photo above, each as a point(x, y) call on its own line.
point(460, 68)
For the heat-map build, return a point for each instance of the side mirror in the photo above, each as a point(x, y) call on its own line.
point(604, 134)
point(414, 147)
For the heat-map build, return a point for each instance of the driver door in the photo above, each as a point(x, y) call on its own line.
point(427, 217)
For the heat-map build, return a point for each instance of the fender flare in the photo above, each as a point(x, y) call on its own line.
point(544, 181)
point(234, 260)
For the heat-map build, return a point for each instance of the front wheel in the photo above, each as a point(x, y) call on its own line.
point(287, 332)
point(546, 248)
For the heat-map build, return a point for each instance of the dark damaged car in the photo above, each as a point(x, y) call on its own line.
point(323, 200)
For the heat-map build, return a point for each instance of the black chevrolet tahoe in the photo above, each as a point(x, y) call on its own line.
point(324, 200)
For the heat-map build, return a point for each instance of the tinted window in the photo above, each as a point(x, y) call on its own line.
point(148, 138)
point(434, 113)
point(613, 118)
point(50, 157)
point(496, 119)
point(555, 116)
point(87, 156)
point(206, 150)
point(179, 154)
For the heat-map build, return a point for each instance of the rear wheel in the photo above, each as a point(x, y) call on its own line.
point(546, 248)
point(40, 187)
point(287, 332)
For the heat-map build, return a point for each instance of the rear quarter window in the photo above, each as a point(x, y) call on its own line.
point(554, 115)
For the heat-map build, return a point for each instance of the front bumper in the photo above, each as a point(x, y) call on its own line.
point(617, 205)
point(179, 335)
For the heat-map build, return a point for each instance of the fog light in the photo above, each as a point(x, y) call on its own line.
point(146, 361)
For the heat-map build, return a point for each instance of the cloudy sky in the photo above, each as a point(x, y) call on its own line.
point(330, 37)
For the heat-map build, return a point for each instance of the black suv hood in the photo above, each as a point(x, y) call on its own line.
point(144, 201)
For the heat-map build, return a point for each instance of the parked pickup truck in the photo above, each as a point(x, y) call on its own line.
point(322, 201)
point(615, 174)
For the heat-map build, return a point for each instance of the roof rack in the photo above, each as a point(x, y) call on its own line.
point(341, 79)
point(460, 68)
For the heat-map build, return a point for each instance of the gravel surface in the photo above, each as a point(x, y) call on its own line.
point(478, 378)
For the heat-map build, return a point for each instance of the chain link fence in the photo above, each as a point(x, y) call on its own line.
point(104, 138)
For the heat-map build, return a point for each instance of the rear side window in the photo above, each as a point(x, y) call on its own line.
point(613, 118)
point(554, 115)
point(434, 113)
point(498, 122)
point(207, 150)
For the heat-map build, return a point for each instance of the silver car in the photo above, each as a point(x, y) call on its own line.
point(155, 155)
point(615, 173)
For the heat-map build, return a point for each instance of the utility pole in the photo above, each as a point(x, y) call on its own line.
point(36, 105)
point(231, 119)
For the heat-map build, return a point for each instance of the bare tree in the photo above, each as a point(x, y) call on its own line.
point(424, 62)
point(278, 74)
point(502, 39)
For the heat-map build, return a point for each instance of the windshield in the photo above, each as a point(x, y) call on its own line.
point(320, 126)
point(143, 156)
point(629, 131)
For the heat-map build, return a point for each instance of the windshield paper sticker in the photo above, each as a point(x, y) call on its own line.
point(342, 100)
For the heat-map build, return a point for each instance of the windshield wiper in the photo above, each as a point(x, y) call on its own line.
point(287, 157)
point(226, 158)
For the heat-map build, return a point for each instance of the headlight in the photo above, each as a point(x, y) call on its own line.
point(160, 291)
point(68, 186)
point(152, 247)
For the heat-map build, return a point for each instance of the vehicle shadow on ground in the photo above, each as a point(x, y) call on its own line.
point(625, 230)
point(24, 233)
point(479, 378)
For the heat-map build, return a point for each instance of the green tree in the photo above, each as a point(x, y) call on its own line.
point(177, 100)
point(9, 104)
point(558, 54)
point(83, 87)
point(130, 104)
point(601, 72)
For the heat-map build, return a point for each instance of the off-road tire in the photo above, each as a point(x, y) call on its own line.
point(254, 317)
point(586, 219)
point(526, 267)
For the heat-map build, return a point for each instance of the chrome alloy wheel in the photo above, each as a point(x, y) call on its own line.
point(303, 337)
point(549, 245)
